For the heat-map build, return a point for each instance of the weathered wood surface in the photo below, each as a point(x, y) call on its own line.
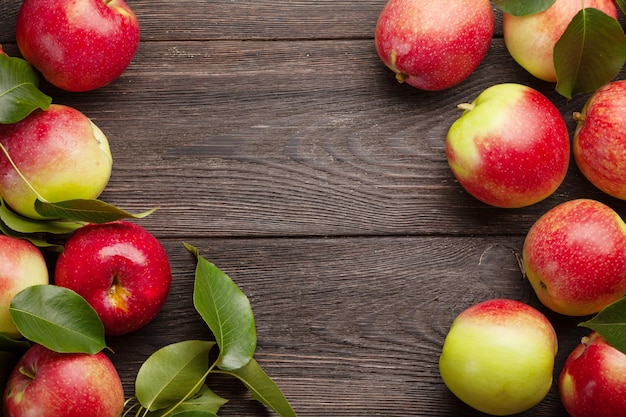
point(270, 135)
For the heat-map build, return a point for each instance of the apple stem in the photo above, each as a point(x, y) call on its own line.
point(27, 373)
point(400, 76)
point(578, 116)
point(585, 341)
point(466, 106)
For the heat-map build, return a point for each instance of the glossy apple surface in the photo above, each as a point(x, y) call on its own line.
point(21, 265)
point(593, 379)
point(600, 139)
point(78, 45)
point(531, 39)
point(434, 44)
point(49, 384)
point(61, 153)
point(498, 357)
point(510, 147)
point(120, 269)
point(575, 257)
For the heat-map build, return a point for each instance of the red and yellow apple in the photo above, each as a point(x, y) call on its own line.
point(574, 256)
point(78, 45)
point(60, 152)
point(120, 269)
point(510, 147)
point(593, 379)
point(531, 39)
point(49, 384)
point(21, 265)
point(434, 44)
point(600, 139)
point(498, 356)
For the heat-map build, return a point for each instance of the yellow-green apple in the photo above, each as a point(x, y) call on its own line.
point(434, 44)
point(498, 356)
point(45, 383)
point(600, 139)
point(60, 152)
point(593, 379)
point(510, 147)
point(531, 39)
point(122, 271)
point(21, 265)
point(78, 45)
point(574, 256)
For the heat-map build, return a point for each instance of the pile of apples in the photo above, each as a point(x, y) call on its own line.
point(510, 148)
point(59, 154)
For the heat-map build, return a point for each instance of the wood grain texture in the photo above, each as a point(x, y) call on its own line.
point(270, 136)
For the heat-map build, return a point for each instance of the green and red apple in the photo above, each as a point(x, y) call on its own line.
point(510, 147)
point(574, 256)
point(78, 45)
point(60, 152)
point(21, 265)
point(120, 269)
point(498, 356)
point(600, 139)
point(593, 379)
point(49, 384)
point(530, 39)
point(434, 44)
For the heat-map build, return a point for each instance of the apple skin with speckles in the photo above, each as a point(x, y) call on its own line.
point(510, 147)
point(498, 356)
point(530, 39)
point(120, 269)
point(78, 45)
point(600, 139)
point(593, 379)
point(434, 44)
point(574, 256)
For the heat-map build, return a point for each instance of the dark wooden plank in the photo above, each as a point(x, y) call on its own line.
point(348, 326)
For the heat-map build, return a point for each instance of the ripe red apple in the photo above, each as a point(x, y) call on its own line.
point(510, 147)
point(78, 45)
point(498, 356)
point(593, 379)
point(575, 257)
point(600, 139)
point(21, 265)
point(531, 39)
point(61, 153)
point(49, 384)
point(120, 269)
point(434, 44)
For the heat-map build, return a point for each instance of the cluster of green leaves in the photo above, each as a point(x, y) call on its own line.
point(173, 380)
point(590, 53)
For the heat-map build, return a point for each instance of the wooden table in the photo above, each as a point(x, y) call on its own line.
point(271, 136)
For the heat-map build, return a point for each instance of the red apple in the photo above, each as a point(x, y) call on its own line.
point(498, 356)
point(120, 269)
point(510, 147)
point(78, 45)
point(575, 257)
point(531, 39)
point(600, 139)
point(50, 384)
point(21, 265)
point(62, 154)
point(434, 44)
point(593, 379)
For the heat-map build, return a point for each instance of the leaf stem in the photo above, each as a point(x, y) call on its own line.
point(6, 153)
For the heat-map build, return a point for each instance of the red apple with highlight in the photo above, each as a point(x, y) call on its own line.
point(122, 271)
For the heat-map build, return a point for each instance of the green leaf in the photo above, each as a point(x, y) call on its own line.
point(611, 324)
point(85, 210)
point(262, 387)
point(194, 413)
point(25, 225)
point(523, 8)
point(57, 318)
point(19, 94)
point(590, 53)
point(227, 312)
point(13, 345)
point(34, 239)
point(172, 374)
point(205, 400)
point(622, 5)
